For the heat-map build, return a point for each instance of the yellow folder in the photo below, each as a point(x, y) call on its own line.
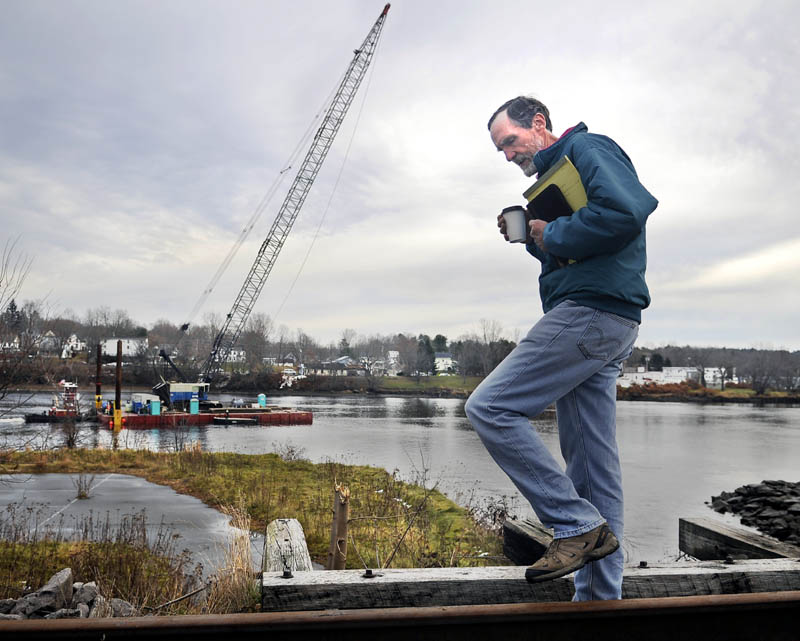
point(564, 175)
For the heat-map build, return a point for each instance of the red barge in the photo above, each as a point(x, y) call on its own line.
point(273, 415)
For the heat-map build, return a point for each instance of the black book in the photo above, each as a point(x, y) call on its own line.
point(549, 204)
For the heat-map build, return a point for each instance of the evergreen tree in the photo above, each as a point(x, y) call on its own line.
point(12, 317)
point(439, 343)
point(426, 360)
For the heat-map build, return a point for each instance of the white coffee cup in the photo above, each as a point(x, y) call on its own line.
point(516, 225)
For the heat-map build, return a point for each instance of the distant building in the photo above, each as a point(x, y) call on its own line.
point(10, 345)
point(48, 342)
point(444, 362)
point(74, 346)
point(130, 346)
point(639, 376)
point(714, 376)
point(342, 366)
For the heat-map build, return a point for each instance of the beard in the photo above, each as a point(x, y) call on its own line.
point(529, 168)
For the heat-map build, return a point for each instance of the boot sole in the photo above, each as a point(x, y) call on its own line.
point(555, 574)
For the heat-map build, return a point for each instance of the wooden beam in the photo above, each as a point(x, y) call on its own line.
point(524, 542)
point(707, 539)
point(348, 589)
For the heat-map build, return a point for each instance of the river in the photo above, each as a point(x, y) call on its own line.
point(675, 456)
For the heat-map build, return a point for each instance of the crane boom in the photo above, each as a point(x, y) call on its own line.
point(268, 253)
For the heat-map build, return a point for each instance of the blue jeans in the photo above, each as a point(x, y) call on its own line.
point(572, 357)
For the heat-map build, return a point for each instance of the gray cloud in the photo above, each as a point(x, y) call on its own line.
point(139, 137)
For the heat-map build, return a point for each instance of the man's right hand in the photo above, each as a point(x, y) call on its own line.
point(501, 223)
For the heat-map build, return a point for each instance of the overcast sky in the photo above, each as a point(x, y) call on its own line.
point(137, 139)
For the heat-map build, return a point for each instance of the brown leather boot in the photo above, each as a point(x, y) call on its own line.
point(566, 555)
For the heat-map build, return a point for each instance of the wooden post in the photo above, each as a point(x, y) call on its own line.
point(118, 391)
point(285, 547)
point(98, 398)
point(337, 554)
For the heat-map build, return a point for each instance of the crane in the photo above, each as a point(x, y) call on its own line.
point(250, 290)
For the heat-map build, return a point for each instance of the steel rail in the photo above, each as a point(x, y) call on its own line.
point(767, 616)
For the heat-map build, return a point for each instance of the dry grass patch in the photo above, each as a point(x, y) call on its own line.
point(413, 523)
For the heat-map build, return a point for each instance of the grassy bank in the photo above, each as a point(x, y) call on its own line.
point(690, 392)
point(426, 385)
point(420, 526)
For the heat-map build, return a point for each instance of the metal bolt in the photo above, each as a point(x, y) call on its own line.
point(287, 574)
point(642, 564)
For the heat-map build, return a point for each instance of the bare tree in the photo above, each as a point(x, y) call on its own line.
point(468, 351)
point(370, 351)
point(281, 344)
point(698, 357)
point(408, 350)
point(255, 339)
point(490, 332)
point(121, 325)
point(14, 361)
point(761, 367)
point(789, 371)
point(723, 360)
point(305, 347)
point(14, 268)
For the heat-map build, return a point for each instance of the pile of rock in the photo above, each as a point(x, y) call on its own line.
point(771, 506)
point(60, 598)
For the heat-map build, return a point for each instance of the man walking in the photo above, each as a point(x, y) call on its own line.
point(593, 289)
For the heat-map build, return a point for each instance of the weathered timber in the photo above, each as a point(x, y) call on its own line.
point(707, 539)
point(524, 542)
point(337, 552)
point(348, 589)
point(342, 515)
point(285, 547)
point(767, 617)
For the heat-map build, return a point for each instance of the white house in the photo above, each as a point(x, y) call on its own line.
point(10, 346)
point(342, 366)
point(130, 346)
point(47, 342)
point(443, 361)
point(665, 376)
point(713, 376)
point(73, 346)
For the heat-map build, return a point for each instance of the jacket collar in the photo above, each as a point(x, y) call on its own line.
point(547, 156)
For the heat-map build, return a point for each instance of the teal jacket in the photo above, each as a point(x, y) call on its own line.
point(605, 239)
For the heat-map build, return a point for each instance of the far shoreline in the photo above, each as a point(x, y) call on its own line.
point(712, 398)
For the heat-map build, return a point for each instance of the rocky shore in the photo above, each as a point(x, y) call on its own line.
point(60, 598)
point(771, 506)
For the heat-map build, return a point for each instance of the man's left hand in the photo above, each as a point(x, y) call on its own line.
point(537, 232)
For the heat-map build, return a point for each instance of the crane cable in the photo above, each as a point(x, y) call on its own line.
point(259, 210)
point(335, 185)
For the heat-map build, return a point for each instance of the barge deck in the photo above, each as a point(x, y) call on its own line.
point(271, 415)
